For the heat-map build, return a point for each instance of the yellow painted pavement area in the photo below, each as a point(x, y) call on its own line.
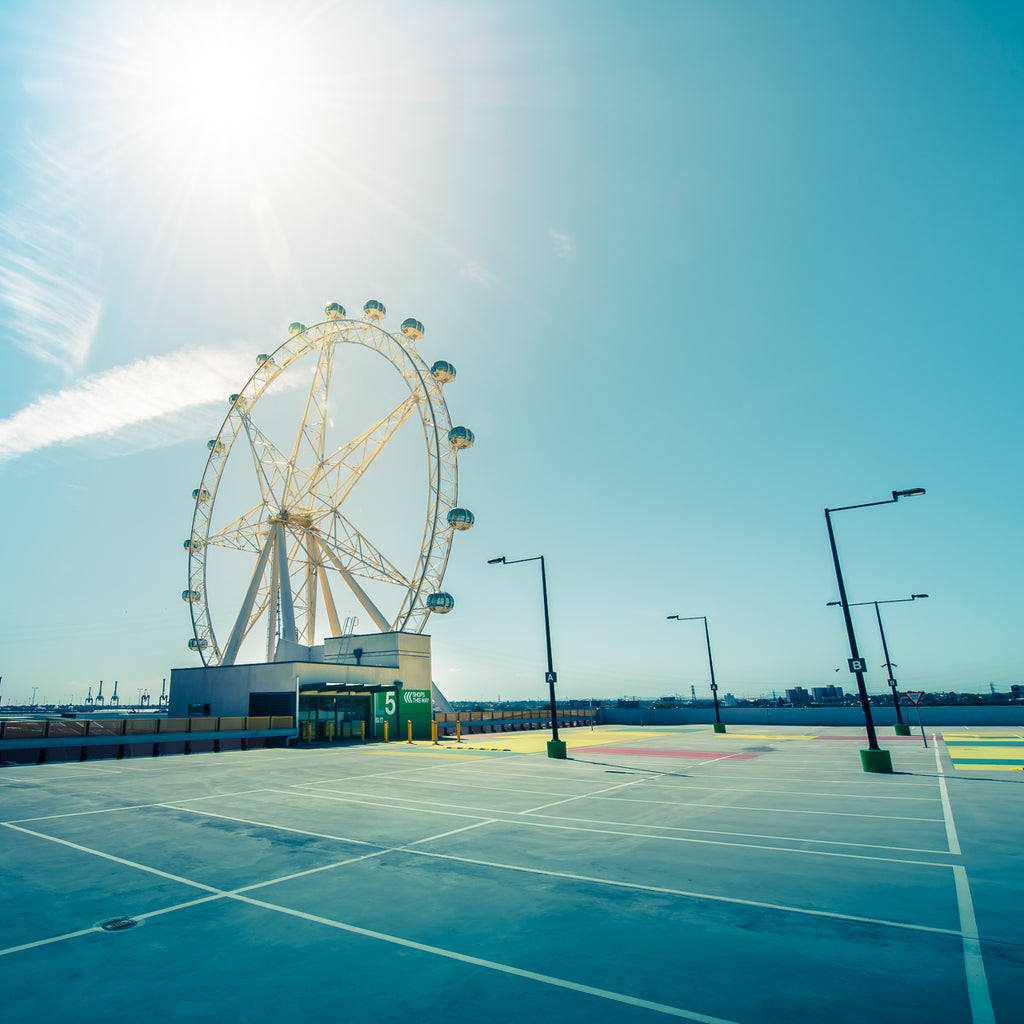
point(985, 751)
point(536, 741)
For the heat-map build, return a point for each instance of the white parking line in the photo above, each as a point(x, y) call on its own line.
point(545, 979)
point(974, 964)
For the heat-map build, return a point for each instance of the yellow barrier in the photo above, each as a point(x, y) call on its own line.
point(385, 732)
point(433, 733)
point(306, 731)
point(410, 732)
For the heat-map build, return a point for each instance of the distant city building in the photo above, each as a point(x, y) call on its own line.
point(798, 695)
point(827, 692)
point(729, 700)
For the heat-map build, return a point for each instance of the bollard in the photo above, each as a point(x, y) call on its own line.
point(409, 740)
point(385, 732)
point(433, 733)
point(362, 731)
point(458, 731)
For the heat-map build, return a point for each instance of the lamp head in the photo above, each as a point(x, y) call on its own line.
point(830, 603)
point(496, 561)
point(913, 492)
point(671, 616)
point(914, 597)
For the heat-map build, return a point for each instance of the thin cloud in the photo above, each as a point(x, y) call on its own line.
point(108, 403)
point(478, 273)
point(562, 243)
point(46, 270)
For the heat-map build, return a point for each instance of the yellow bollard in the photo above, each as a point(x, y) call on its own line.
point(410, 732)
point(385, 732)
point(362, 731)
point(433, 733)
point(458, 731)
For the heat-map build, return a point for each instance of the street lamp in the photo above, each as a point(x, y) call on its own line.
point(556, 747)
point(873, 759)
point(901, 728)
point(719, 727)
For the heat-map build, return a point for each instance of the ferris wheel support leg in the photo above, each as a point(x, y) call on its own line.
point(238, 632)
point(325, 589)
point(288, 630)
point(361, 596)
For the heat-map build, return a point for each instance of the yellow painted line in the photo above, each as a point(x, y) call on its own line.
point(965, 766)
point(994, 753)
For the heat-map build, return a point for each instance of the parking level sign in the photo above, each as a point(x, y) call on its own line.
point(550, 677)
point(857, 665)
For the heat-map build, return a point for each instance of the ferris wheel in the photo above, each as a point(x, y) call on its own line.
point(280, 534)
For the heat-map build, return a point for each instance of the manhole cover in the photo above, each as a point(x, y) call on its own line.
point(118, 924)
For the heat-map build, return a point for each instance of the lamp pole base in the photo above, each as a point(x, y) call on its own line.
point(556, 748)
point(902, 729)
point(719, 726)
point(879, 761)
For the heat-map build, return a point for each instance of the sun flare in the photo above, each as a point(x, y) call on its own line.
point(219, 86)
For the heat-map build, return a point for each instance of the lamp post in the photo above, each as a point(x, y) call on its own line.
point(873, 759)
point(719, 727)
point(901, 728)
point(556, 747)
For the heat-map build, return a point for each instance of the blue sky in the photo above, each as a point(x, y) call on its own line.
point(704, 269)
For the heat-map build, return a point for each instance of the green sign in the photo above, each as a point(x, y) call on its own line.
point(385, 709)
point(416, 708)
point(398, 708)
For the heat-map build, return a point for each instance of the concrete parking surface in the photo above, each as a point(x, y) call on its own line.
point(757, 876)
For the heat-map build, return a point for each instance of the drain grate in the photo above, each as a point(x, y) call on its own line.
point(118, 924)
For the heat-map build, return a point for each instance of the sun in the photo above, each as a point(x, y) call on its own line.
point(220, 86)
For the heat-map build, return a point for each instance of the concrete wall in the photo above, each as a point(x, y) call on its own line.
point(387, 658)
point(1007, 715)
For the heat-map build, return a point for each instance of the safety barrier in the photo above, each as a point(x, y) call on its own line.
point(26, 741)
point(505, 721)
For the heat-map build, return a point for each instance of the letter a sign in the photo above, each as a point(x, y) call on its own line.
point(550, 677)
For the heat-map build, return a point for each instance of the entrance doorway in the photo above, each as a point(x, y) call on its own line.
point(336, 717)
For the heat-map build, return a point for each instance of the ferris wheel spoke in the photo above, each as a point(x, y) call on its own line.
point(308, 450)
point(360, 555)
point(270, 463)
point(342, 470)
point(245, 534)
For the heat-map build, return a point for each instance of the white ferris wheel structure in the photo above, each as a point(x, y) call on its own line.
point(278, 542)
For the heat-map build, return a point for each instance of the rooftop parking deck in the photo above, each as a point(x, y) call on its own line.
point(752, 877)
